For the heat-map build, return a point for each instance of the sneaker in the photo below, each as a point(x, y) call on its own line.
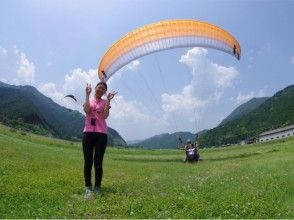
point(97, 189)
point(88, 192)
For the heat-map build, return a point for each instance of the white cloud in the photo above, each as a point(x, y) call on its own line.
point(185, 100)
point(292, 60)
point(131, 121)
point(26, 70)
point(50, 90)
point(134, 65)
point(184, 110)
point(207, 85)
point(124, 110)
point(16, 50)
point(76, 81)
point(16, 62)
point(3, 51)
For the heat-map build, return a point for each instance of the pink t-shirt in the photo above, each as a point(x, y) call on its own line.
point(95, 122)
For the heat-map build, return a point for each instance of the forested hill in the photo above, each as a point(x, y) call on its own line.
point(244, 109)
point(277, 111)
point(25, 107)
point(174, 140)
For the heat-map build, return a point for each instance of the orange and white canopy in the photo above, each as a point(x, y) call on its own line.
point(162, 36)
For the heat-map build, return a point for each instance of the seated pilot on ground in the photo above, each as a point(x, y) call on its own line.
point(191, 152)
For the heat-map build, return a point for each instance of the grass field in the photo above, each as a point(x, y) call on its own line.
point(43, 178)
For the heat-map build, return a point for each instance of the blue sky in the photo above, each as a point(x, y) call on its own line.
point(56, 46)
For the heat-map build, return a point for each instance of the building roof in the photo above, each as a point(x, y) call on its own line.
point(277, 130)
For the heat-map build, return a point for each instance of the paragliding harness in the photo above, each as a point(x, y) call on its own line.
point(192, 154)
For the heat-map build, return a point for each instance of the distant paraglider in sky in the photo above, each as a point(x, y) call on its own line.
point(71, 96)
point(74, 100)
point(165, 35)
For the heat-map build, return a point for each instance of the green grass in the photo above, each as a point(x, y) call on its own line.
point(43, 178)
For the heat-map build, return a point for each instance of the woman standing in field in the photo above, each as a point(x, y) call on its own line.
point(95, 134)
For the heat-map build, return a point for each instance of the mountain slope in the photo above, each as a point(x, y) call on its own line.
point(18, 111)
point(174, 140)
point(244, 109)
point(275, 112)
point(28, 104)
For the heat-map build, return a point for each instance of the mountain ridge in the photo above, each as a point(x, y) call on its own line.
point(168, 140)
point(277, 111)
point(244, 108)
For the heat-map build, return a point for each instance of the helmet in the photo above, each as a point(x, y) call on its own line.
point(188, 141)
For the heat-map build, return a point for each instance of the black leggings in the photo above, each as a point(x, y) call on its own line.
point(94, 142)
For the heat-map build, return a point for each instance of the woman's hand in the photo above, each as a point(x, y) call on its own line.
point(111, 95)
point(86, 105)
point(88, 89)
point(107, 106)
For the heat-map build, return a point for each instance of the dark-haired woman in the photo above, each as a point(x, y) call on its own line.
point(95, 134)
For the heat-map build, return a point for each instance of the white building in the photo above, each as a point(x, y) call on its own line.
point(276, 134)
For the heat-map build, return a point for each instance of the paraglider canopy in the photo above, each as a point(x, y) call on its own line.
point(71, 96)
point(165, 35)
